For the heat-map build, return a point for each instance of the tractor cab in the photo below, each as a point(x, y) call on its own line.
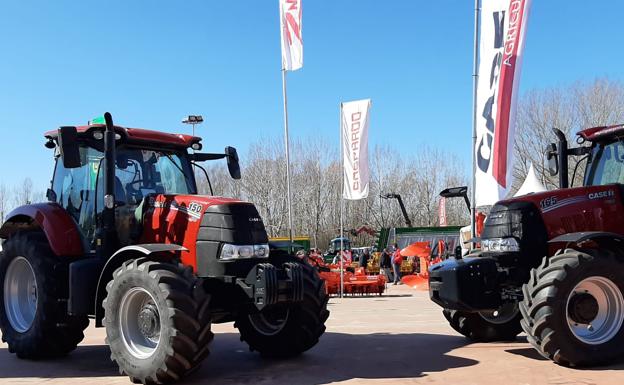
point(605, 161)
point(140, 173)
point(146, 164)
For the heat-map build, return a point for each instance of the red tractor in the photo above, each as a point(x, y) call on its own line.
point(550, 263)
point(126, 241)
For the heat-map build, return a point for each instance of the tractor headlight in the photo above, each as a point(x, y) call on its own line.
point(500, 244)
point(229, 251)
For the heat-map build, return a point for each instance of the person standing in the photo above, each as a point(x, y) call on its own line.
point(364, 259)
point(397, 259)
point(385, 263)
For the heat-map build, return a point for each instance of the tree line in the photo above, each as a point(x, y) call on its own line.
point(418, 177)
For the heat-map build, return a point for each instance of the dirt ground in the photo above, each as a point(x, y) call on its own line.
point(400, 338)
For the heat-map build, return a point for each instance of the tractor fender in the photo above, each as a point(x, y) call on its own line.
point(58, 226)
point(604, 239)
point(167, 251)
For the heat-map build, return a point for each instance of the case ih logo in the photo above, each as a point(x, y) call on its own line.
point(601, 194)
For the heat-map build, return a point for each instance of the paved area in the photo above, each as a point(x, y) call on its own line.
point(394, 339)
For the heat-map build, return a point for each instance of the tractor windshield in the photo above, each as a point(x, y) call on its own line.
point(140, 172)
point(607, 164)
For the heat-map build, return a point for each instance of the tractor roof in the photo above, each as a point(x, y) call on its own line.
point(603, 132)
point(137, 136)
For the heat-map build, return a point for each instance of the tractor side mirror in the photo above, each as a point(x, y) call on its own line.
point(552, 159)
point(232, 162)
point(68, 145)
point(458, 252)
point(454, 192)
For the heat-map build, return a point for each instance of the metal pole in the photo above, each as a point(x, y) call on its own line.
point(475, 79)
point(341, 208)
point(286, 147)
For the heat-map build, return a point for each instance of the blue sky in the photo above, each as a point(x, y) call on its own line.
point(152, 62)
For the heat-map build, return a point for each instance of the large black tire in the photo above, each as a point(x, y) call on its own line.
point(174, 307)
point(52, 332)
point(545, 308)
point(303, 325)
point(476, 328)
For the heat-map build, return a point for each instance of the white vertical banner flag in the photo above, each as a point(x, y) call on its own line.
point(442, 212)
point(503, 28)
point(354, 130)
point(292, 41)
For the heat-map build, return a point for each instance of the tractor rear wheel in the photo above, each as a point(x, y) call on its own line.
point(500, 325)
point(288, 330)
point(573, 308)
point(34, 292)
point(157, 321)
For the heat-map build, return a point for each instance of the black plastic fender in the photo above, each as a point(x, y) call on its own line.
point(586, 236)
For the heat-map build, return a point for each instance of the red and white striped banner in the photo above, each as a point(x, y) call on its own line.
point(292, 40)
point(503, 27)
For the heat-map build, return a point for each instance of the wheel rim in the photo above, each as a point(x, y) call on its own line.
point(270, 322)
point(20, 294)
point(139, 320)
point(502, 315)
point(595, 310)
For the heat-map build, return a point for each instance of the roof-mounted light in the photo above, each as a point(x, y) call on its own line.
point(193, 119)
point(98, 120)
point(196, 146)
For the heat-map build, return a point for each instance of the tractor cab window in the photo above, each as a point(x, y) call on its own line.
point(607, 164)
point(74, 190)
point(140, 173)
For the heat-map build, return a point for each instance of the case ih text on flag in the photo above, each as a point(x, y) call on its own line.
point(292, 41)
point(354, 131)
point(503, 28)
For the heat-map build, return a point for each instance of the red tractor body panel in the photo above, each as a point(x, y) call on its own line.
point(175, 219)
point(591, 208)
point(58, 226)
point(597, 133)
point(139, 135)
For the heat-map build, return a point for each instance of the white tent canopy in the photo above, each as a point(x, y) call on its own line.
point(531, 184)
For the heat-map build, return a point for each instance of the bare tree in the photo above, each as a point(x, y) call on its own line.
point(570, 109)
point(4, 202)
point(23, 195)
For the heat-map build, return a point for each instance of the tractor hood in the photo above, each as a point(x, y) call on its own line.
point(572, 209)
point(198, 221)
point(189, 207)
point(525, 224)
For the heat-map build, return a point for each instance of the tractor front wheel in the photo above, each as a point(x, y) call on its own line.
point(283, 331)
point(157, 321)
point(500, 325)
point(33, 289)
point(573, 308)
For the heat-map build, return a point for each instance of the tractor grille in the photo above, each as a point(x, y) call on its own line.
point(236, 223)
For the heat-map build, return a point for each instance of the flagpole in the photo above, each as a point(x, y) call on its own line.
point(286, 147)
point(341, 207)
point(475, 79)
